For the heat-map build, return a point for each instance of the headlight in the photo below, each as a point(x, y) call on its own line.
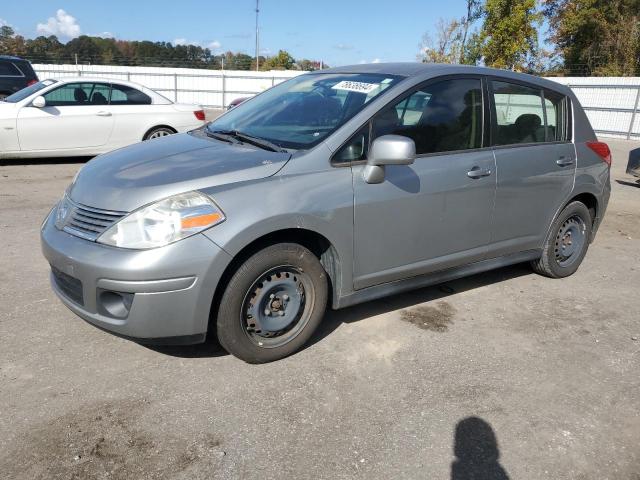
point(164, 222)
point(62, 211)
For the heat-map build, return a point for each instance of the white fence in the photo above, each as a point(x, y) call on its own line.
point(612, 103)
point(213, 88)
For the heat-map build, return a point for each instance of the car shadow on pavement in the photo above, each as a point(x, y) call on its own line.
point(334, 318)
point(210, 348)
point(43, 161)
point(476, 451)
point(629, 184)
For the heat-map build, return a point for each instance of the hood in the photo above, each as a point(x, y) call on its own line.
point(131, 177)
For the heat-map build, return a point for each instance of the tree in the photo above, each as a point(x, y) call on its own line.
point(447, 48)
point(509, 35)
point(10, 43)
point(474, 12)
point(282, 61)
point(596, 37)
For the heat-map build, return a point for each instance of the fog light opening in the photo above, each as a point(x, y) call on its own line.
point(115, 304)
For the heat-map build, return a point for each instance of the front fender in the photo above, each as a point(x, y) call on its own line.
point(320, 202)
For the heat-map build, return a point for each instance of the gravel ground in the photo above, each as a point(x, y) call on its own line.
point(501, 375)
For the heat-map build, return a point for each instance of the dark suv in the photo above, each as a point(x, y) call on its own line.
point(15, 74)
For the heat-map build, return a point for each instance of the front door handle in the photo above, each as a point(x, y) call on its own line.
point(477, 172)
point(103, 114)
point(564, 161)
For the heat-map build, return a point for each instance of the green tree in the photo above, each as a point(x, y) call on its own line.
point(10, 43)
point(282, 61)
point(509, 34)
point(596, 37)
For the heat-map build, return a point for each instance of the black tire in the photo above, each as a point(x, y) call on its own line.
point(158, 132)
point(567, 242)
point(257, 321)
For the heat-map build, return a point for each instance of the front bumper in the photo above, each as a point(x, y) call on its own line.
point(159, 296)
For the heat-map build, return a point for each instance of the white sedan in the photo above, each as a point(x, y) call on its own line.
point(87, 116)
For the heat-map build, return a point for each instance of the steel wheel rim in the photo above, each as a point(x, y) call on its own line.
point(570, 241)
point(160, 133)
point(277, 306)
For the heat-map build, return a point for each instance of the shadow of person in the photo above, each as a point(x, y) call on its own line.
point(476, 451)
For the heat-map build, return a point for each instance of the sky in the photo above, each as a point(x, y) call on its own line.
point(338, 32)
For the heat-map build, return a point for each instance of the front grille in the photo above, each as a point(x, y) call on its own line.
point(88, 222)
point(70, 286)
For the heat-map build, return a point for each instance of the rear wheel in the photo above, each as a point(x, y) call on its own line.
point(567, 242)
point(159, 132)
point(272, 304)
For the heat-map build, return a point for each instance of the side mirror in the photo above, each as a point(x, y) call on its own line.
point(39, 102)
point(388, 150)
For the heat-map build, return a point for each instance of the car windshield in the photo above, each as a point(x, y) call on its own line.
point(303, 111)
point(28, 91)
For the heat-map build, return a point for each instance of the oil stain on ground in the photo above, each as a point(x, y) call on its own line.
point(104, 441)
point(435, 319)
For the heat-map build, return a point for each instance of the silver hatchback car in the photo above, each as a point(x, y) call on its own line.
point(333, 188)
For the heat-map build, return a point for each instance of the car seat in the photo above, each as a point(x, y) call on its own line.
point(98, 99)
point(80, 95)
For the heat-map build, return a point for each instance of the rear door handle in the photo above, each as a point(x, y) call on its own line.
point(477, 172)
point(103, 114)
point(564, 161)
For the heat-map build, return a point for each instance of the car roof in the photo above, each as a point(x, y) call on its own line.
point(413, 69)
point(12, 58)
point(98, 79)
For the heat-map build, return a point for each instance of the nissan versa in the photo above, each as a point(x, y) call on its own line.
point(333, 188)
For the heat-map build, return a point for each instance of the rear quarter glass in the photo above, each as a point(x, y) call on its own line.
point(27, 69)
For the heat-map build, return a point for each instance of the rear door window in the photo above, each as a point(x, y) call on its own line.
point(443, 116)
point(519, 117)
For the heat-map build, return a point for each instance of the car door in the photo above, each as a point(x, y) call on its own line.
point(134, 113)
point(76, 115)
point(535, 163)
point(435, 213)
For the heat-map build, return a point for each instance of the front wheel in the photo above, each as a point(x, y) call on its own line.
point(567, 242)
point(272, 304)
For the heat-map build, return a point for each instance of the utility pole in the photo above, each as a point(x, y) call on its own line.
point(257, 37)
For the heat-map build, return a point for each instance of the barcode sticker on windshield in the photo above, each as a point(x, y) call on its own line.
point(360, 87)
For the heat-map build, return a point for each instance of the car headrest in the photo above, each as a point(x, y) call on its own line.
point(528, 122)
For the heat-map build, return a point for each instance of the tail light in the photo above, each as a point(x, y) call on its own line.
point(602, 150)
point(199, 114)
point(31, 82)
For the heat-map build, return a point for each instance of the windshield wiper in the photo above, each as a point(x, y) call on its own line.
point(220, 135)
point(245, 137)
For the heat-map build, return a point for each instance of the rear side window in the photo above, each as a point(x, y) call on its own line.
point(123, 95)
point(557, 110)
point(8, 69)
point(441, 117)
